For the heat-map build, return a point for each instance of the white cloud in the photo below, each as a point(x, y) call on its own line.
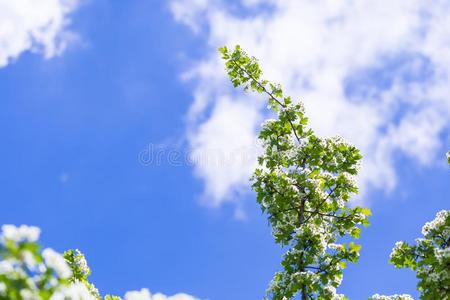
point(376, 72)
point(37, 26)
point(232, 123)
point(144, 294)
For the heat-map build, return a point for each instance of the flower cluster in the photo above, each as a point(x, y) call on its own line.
point(27, 273)
point(80, 271)
point(20, 234)
point(430, 257)
point(303, 182)
point(436, 226)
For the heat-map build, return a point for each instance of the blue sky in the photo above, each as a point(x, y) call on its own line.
point(74, 125)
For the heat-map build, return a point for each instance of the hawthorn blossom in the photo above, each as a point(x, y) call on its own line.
point(20, 234)
point(76, 291)
point(57, 262)
point(429, 257)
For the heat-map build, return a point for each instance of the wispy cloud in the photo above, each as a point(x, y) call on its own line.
point(37, 26)
point(375, 72)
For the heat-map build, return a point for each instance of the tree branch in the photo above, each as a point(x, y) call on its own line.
point(267, 92)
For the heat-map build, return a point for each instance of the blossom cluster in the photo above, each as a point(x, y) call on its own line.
point(429, 257)
point(26, 272)
point(437, 225)
point(29, 273)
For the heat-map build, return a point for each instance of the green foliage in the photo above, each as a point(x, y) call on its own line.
point(109, 297)
point(303, 182)
point(429, 258)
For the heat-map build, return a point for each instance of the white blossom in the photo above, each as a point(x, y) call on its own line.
point(2, 288)
point(442, 255)
point(20, 234)
point(437, 222)
point(57, 262)
point(398, 245)
point(29, 260)
point(28, 294)
point(81, 263)
point(6, 266)
point(76, 291)
point(267, 122)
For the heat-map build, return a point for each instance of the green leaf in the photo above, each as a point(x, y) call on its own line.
point(366, 211)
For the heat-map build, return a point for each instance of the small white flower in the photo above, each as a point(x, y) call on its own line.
point(6, 266)
point(53, 282)
point(331, 290)
point(42, 268)
point(76, 291)
point(27, 294)
point(57, 262)
point(29, 260)
point(2, 288)
point(81, 262)
point(439, 221)
point(267, 122)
